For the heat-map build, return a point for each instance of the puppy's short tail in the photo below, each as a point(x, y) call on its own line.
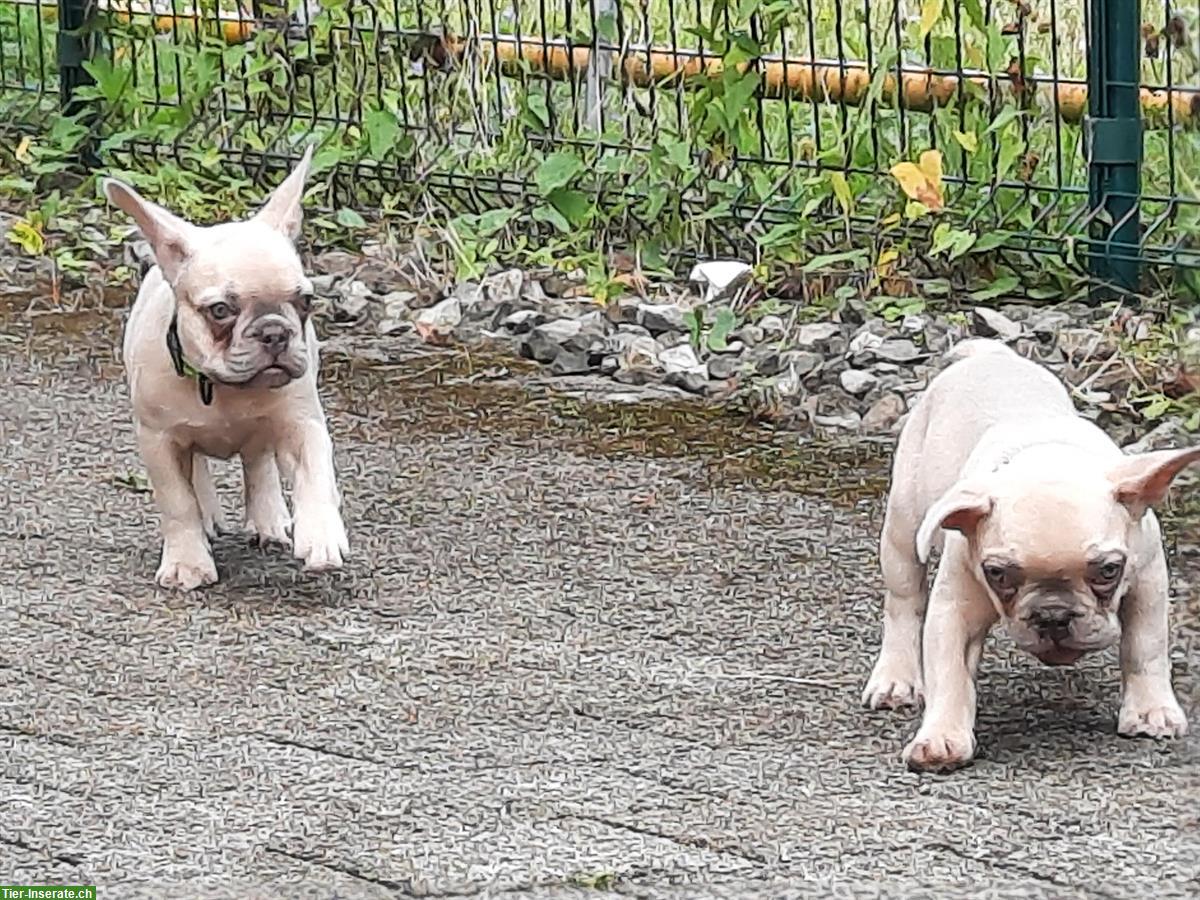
point(975, 347)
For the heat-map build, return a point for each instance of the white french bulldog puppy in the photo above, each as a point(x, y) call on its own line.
point(1044, 525)
point(221, 358)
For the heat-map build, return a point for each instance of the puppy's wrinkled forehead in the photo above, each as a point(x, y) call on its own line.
point(1057, 524)
point(249, 258)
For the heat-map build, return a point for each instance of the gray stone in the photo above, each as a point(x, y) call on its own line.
point(1165, 435)
point(325, 285)
point(633, 329)
point(722, 367)
point(801, 362)
point(638, 360)
point(545, 342)
point(898, 350)
point(609, 365)
point(993, 323)
point(673, 339)
point(389, 326)
point(570, 362)
point(523, 321)
point(351, 303)
point(750, 335)
point(865, 341)
point(913, 325)
point(439, 321)
point(857, 382)
point(1082, 344)
point(623, 311)
point(884, 413)
point(595, 322)
point(398, 303)
point(468, 294)
point(817, 335)
point(681, 358)
point(772, 327)
point(138, 255)
point(660, 317)
point(849, 421)
point(503, 287)
point(732, 348)
point(694, 382)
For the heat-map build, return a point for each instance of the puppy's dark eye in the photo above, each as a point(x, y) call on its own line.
point(1003, 579)
point(1106, 573)
point(221, 310)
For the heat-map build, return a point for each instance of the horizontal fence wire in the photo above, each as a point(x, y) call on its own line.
point(738, 122)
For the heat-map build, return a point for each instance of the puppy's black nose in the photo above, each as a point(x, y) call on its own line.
point(1053, 621)
point(274, 337)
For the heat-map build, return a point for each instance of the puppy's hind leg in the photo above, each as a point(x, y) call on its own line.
point(206, 496)
point(267, 518)
point(895, 681)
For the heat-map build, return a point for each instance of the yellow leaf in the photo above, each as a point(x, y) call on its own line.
point(893, 219)
point(886, 258)
point(22, 153)
point(931, 11)
point(922, 183)
point(912, 180)
point(967, 140)
point(841, 190)
point(931, 165)
point(915, 210)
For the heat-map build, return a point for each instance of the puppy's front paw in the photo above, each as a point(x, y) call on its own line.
point(214, 525)
point(186, 571)
point(321, 541)
point(939, 751)
point(893, 687)
point(1164, 720)
point(264, 530)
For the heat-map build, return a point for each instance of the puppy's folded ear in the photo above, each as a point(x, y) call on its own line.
point(960, 509)
point(284, 209)
point(1142, 481)
point(171, 238)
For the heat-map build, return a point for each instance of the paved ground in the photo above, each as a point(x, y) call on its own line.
point(577, 648)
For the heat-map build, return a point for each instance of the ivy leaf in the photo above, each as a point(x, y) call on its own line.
point(967, 140)
point(718, 335)
point(694, 319)
point(382, 131)
point(550, 215)
point(931, 11)
point(841, 190)
point(348, 218)
point(574, 205)
point(556, 171)
point(536, 104)
point(997, 288)
point(1155, 408)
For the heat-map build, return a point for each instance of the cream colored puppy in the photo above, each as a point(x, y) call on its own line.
point(221, 358)
point(1044, 524)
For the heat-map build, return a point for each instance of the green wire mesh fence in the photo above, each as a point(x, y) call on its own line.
point(1064, 130)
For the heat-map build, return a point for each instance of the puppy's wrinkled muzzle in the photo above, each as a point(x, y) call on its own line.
point(275, 338)
point(1052, 621)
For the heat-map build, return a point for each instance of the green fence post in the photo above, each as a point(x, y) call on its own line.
point(1113, 135)
point(75, 45)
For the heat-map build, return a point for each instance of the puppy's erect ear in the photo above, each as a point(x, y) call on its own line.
point(1142, 481)
point(171, 238)
point(284, 210)
point(961, 509)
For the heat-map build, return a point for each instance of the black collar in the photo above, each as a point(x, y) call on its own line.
point(182, 368)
